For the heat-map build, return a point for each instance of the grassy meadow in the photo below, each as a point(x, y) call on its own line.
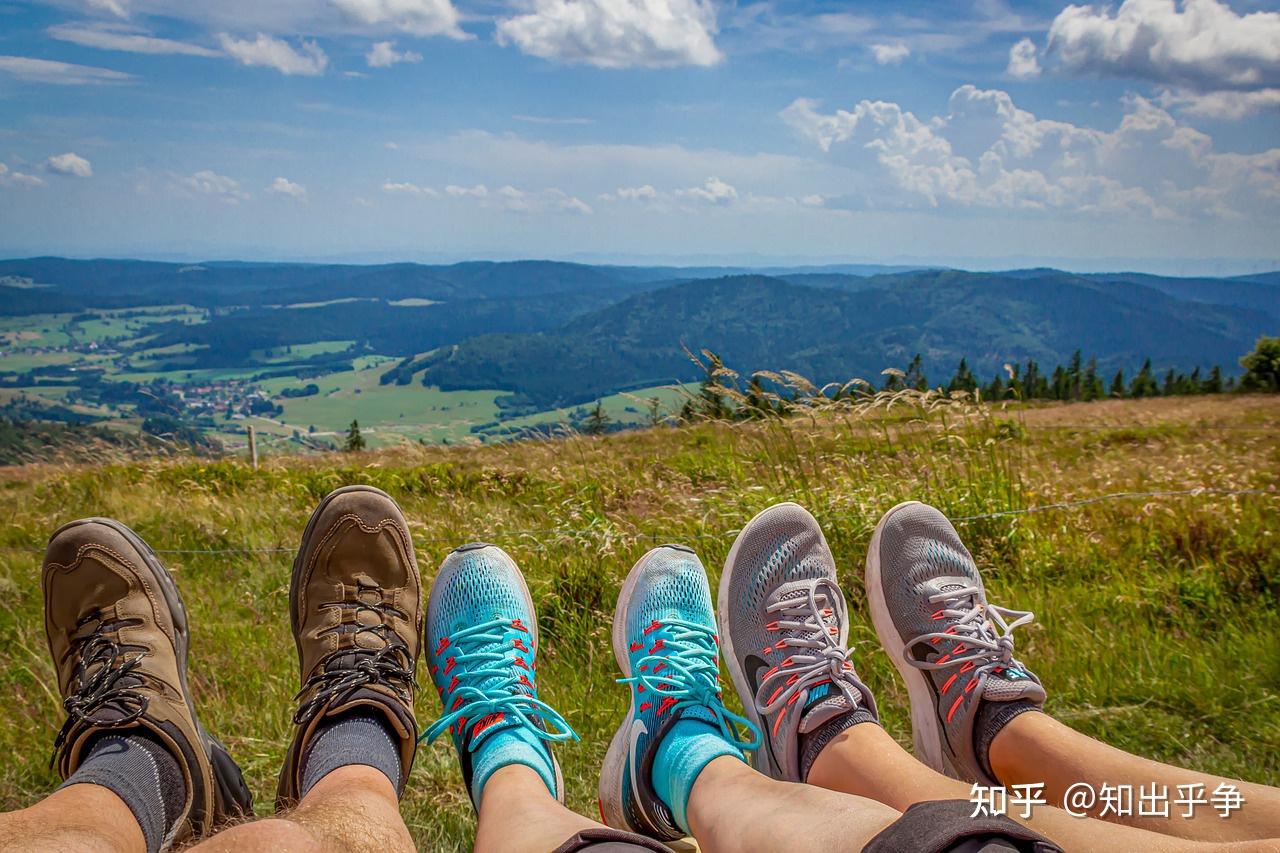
point(1156, 618)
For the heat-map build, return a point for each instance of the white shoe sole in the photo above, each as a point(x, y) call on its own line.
point(926, 730)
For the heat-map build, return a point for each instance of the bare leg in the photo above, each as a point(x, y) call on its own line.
point(866, 761)
point(1037, 748)
point(734, 808)
point(78, 819)
point(518, 813)
point(353, 808)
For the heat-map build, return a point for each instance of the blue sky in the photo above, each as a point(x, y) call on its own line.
point(978, 132)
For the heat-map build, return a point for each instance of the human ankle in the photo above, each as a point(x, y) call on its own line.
point(686, 750)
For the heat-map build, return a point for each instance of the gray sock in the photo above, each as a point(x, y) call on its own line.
point(992, 717)
point(359, 737)
point(143, 773)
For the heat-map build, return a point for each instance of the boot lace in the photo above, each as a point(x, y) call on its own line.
point(106, 677)
point(389, 666)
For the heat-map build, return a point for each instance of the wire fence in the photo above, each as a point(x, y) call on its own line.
point(560, 533)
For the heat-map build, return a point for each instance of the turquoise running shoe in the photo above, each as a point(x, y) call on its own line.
point(481, 646)
point(665, 642)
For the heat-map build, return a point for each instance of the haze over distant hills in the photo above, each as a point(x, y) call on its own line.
point(539, 335)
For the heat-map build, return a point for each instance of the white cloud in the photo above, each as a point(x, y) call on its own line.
point(813, 201)
point(113, 37)
point(1230, 105)
point(307, 59)
point(714, 191)
point(478, 191)
point(284, 186)
point(112, 7)
point(384, 54)
point(616, 33)
point(985, 152)
point(210, 183)
point(641, 193)
point(1023, 63)
point(890, 54)
point(1204, 46)
point(18, 179)
point(59, 73)
point(69, 164)
point(408, 189)
point(415, 17)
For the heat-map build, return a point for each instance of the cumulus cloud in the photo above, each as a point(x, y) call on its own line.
point(59, 73)
point(114, 37)
point(384, 54)
point(1023, 63)
point(640, 193)
point(406, 188)
point(18, 179)
point(478, 191)
point(210, 183)
point(506, 197)
point(986, 152)
point(69, 164)
point(306, 60)
point(284, 186)
point(415, 17)
point(616, 33)
point(714, 191)
point(1230, 105)
point(890, 54)
point(1202, 47)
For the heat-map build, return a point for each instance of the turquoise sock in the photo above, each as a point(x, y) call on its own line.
point(688, 747)
point(514, 745)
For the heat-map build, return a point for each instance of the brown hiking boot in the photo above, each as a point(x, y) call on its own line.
point(118, 636)
point(355, 603)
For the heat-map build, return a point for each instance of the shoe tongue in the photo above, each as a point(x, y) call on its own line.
point(1012, 683)
point(823, 703)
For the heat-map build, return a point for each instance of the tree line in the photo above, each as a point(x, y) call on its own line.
point(719, 397)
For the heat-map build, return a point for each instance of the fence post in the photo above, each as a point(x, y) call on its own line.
point(253, 447)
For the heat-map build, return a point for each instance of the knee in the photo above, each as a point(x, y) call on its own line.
point(268, 834)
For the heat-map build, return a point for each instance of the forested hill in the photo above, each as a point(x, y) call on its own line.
point(851, 328)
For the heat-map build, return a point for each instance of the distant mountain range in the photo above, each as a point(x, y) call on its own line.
point(556, 334)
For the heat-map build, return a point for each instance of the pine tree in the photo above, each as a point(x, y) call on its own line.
point(1213, 385)
point(1091, 385)
point(1060, 387)
point(597, 421)
point(915, 377)
point(995, 390)
point(1117, 385)
point(355, 441)
point(1144, 384)
point(1075, 379)
point(963, 380)
point(1170, 384)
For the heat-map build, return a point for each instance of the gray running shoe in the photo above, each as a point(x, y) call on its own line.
point(952, 647)
point(784, 631)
